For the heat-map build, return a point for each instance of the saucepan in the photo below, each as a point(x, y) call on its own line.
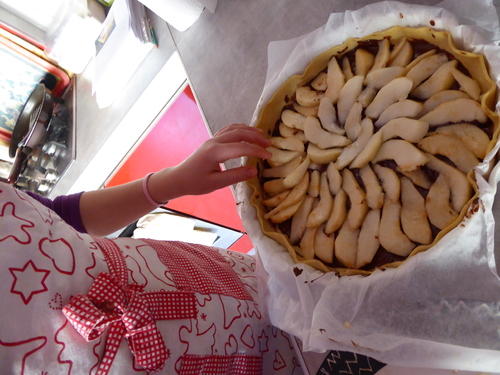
point(30, 129)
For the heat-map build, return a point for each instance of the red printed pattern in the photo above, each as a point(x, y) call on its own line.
point(128, 313)
point(49, 262)
point(199, 269)
point(217, 364)
point(114, 259)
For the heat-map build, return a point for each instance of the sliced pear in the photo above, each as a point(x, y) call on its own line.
point(322, 138)
point(437, 204)
point(322, 211)
point(413, 214)
point(348, 96)
point(280, 157)
point(369, 151)
point(274, 187)
point(426, 67)
point(283, 170)
point(286, 132)
point(285, 214)
point(381, 77)
point(391, 236)
point(461, 189)
point(474, 138)
point(293, 119)
point(418, 177)
point(405, 154)
point(334, 178)
point(324, 245)
point(456, 111)
point(346, 68)
point(363, 61)
point(451, 147)
point(396, 90)
point(315, 167)
point(398, 46)
point(374, 192)
point(390, 182)
point(368, 240)
point(307, 243)
point(289, 143)
point(404, 108)
point(308, 97)
point(441, 97)
point(321, 156)
point(441, 80)
point(401, 56)
point(327, 115)
point(297, 175)
point(275, 200)
point(315, 184)
point(299, 219)
point(383, 55)
point(320, 83)
point(418, 59)
point(357, 197)
point(352, 124)
point(297, 194)
point(306, 111)
point(339, 212)
point(350, 152)
point(467, 84)
point(346, 245)
point(335, 80)
point(367, 96)
point(406, 128)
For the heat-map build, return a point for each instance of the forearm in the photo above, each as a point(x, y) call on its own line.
point(108, 210)
point(105, 211)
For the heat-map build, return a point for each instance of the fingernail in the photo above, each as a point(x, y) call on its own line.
point(252, 173)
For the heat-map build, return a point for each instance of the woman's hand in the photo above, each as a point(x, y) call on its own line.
point(201, 173)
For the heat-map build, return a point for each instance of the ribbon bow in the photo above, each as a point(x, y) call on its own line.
point(131, 313)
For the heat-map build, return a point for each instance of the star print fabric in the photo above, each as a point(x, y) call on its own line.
point(47, 265)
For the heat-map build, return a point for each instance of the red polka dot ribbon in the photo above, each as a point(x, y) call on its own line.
point(127, 312)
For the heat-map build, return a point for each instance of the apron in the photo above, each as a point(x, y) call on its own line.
point(74, 304)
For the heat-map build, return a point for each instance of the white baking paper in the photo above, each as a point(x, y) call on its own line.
point(441, 308)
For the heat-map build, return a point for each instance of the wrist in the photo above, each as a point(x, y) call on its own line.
point(151, 198)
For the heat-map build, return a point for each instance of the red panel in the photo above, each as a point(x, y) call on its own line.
point(243, 245)
point(176, 135)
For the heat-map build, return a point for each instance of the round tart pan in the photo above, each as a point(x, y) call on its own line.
point(271, 114)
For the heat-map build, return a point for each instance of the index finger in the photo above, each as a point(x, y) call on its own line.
point(233, 127)
point(227, 151)
point(243, 134)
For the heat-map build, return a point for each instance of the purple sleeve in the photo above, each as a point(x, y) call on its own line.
point(66, 206)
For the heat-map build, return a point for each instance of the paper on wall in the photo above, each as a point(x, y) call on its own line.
point(181, 14)
point(124, 42)
point(441, 308)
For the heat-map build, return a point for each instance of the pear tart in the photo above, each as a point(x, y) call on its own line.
point(374, 147)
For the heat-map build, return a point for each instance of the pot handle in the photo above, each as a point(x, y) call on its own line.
point(15, 171)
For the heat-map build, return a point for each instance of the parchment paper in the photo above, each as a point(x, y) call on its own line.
point(441, 308)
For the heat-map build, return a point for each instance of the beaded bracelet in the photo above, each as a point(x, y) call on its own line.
point(146, 192)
